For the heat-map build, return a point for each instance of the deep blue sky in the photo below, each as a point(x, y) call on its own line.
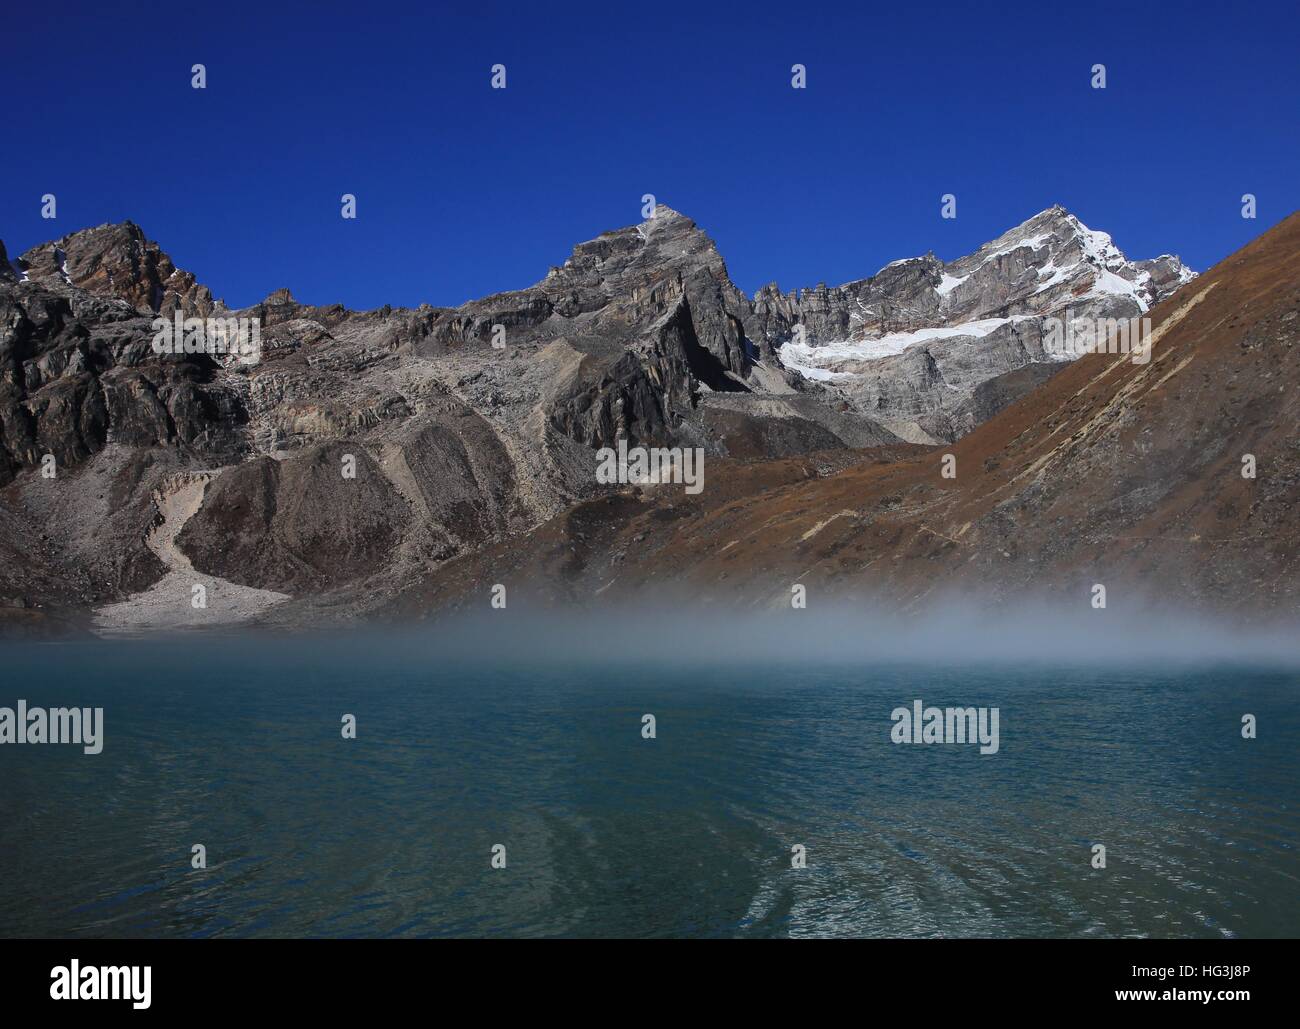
point(464, 190)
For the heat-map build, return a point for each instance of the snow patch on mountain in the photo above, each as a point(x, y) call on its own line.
point(821, 359)
point(949, 283)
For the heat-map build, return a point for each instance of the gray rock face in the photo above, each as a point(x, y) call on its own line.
point(75, 367)
point(652, 313)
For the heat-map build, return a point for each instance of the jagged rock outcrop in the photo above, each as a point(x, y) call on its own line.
point(117, 260)
point(75, 369)
point(651, 310)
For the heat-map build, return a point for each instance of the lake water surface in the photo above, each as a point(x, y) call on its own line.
point(237, 746)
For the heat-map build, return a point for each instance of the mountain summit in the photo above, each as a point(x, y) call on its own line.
point(924, 344)
point(118, 260)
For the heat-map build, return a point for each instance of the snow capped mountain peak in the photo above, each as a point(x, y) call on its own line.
point(972, 312)
point(1057, 229)
point(1071, 261)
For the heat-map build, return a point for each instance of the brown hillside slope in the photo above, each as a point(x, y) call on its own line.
point(1112, 472)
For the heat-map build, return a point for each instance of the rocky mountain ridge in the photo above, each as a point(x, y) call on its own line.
point(1172, 484)
point(455, 442)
